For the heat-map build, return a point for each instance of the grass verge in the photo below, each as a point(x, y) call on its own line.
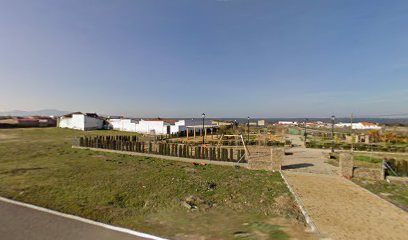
point(395, 193)
point(368, 159)
point(170, 199)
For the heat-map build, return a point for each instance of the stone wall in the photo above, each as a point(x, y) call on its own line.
point(348, 170)
point(368, 173)
point(346, 165)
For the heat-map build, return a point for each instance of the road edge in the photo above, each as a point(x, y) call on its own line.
point(84, 220)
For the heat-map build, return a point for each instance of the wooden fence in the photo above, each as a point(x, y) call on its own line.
point(133, 144)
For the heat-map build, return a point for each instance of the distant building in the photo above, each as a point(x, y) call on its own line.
point(360, 126)
point(288, 123)
point(22, 122)
point(261, 123)
point(158, 126)
point(81, 121)
point(123, 124)
point(221, 123)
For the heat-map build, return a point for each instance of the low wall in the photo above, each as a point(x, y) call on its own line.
point(348, 170)
point(255, 157)
point(368, 173)
point(346, 164)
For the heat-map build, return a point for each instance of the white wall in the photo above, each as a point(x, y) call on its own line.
point(76, 121)
point(127, 125)
point(287, 123)
point(152, 127)
point(359, 126)
point(155, 127)
point(80, 122)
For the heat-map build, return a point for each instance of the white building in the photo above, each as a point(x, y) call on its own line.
point(360, 126)
point(261, 123)
point(81, 121)
point(288, 123)
point(157, 126)
point(123, 124)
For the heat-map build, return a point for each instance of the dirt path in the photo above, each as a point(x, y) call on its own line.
point(307, 159)
point(343, 210)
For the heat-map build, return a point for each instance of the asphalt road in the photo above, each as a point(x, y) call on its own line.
point(23, 223)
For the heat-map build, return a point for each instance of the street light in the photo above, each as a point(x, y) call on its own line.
point(203, 115)
point(248, 129)
point(332, 133)
point(305, 130)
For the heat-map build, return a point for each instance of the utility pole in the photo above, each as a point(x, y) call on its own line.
point(305, 134)
point(248, 130)
point(202, 132)
point(332, 145)
point(352, 133)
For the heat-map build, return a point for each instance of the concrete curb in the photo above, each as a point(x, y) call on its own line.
point(312, 227)
point(84, 220)
point(188, 160)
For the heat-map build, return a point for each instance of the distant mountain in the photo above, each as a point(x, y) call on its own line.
point(43, 112)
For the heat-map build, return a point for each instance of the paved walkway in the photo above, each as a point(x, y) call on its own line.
point(21, 223)
point(339, 208)
point(309, 161)
point(342, 210)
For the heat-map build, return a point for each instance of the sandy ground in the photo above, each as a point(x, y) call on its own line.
point(343, 210)
point(307, 159)
point(339, 208)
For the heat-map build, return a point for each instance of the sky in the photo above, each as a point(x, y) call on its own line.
point(226, 58)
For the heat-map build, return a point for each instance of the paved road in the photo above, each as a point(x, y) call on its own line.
point(23, 223)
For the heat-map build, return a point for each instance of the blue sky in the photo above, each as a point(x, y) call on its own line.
point(227, 58)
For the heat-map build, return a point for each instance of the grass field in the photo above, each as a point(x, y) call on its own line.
point(170, 199)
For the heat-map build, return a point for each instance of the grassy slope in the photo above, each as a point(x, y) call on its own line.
point(39, 166)
point(395, 193)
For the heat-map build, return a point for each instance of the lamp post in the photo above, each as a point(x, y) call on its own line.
point(305, 130)
point(248, 129)
point(203, 115)
point(332, 133)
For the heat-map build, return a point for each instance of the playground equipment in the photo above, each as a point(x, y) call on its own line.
point(238, 137)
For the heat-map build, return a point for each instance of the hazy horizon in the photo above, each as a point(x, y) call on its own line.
point(223, 57)
point(49, 112)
